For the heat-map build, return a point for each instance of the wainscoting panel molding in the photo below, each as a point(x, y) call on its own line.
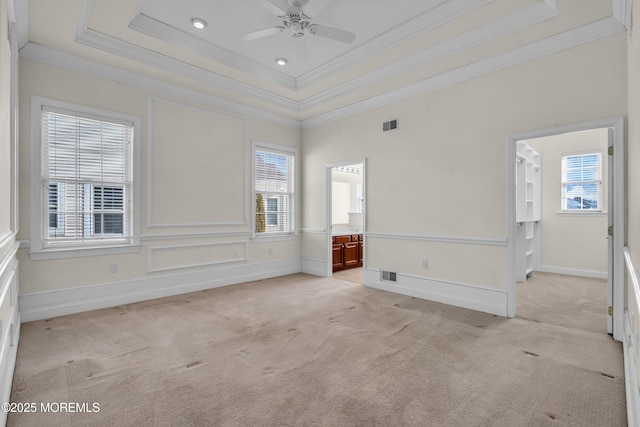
point(175, 257)
point(43, 305)
point(630, 341)
point(493, 301)
point(9, 325)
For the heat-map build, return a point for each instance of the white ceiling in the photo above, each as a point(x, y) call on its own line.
point(402, 47)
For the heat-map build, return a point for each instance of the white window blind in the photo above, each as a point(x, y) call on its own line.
point(582, 182)
point(273, 171)
point(86, 179)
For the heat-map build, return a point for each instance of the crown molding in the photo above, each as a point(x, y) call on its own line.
point(75, 63)
point(516, 21)
point(440, 14)
point(172, 35)
point(19, 15)
point(127, 50)
point(621, 10)
point(578, 36)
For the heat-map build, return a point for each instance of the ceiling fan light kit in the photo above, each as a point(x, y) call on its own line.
point(198, 23)
point(294, 19)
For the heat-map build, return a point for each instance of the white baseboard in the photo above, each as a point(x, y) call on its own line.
point(315, 267)
point(572, 271)
point(44, 305)
point(493, 301)
point(630, 375)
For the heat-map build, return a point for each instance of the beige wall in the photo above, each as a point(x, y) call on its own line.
point(195, 180)
point(573, 243)
point(443, 173)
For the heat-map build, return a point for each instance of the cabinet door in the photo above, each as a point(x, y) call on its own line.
point(337, 256)
point(350, 254)
point(361, 252)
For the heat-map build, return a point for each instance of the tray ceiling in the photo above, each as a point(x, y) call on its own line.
point(401, 48)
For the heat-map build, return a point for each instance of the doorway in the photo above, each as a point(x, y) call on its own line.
point(579, 212)
point(345, 220)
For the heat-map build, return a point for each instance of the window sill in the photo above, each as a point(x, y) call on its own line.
point(581, 213)
point(274, 237)
point(59, 253)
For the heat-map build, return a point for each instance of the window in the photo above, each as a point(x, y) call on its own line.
point(85, 179)
point(582, 182)
point(274, 188)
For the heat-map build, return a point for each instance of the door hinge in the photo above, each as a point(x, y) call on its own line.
point(610, 311)
point(611, 150)
point(610, 230)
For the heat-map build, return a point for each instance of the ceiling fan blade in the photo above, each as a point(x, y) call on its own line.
point(300, 46)
point(277, 7)
point(314, 7)
point(332, 33)
point(261, 33)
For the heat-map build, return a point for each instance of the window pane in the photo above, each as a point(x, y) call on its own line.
point(90, 160)
point(581, 186)
point(274, 184)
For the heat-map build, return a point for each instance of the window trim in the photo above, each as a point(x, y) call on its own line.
point(563, 209)
point(37, 249)
point(290, 151)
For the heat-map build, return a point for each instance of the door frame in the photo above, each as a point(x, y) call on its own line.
point(329, 210)
point(616, 174)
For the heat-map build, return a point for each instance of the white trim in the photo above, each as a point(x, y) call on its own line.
point(487, 300)
point(618, 173)
point(152, 237)
point(14, 125)
point(47, 304)
point(297, 191)
point(150, 144)
point(584, 34)
point(6, 237)
point(441, 239)
point(634, 275)
point(230, 260)
point(630, 344)
point(313, 230)
point(20, 9)
point(175, 36)
point(37, 249)
point(581, 213)
point(427, 21)
point(630, 376)
point(572, 271)
point(94, 68)
point(98, 40)
point(534, 14)
point(315, 267)
point(621, 10)
point(11, 330)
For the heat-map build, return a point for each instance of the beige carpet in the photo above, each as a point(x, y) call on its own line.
point(571, 301)
point(353, 275)
point(306, 351)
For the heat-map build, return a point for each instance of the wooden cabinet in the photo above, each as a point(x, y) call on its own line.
point(347, 251)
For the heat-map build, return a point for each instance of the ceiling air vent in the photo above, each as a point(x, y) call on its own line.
point(389, 276)
point(390, 125)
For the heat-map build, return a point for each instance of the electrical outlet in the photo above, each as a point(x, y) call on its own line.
point(235, 254)
point(270, 251)
point(425, 263)
point(113, 268)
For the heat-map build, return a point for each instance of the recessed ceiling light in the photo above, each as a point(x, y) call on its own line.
point(198, 23)
point(281, 61)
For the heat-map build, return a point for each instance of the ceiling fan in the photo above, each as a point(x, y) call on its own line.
point(294, 19)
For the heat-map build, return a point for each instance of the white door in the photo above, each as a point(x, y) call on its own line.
point(610, 207)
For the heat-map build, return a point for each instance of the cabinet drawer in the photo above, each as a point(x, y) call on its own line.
point(342, 239)
point(360, 237)
point(354, 238)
